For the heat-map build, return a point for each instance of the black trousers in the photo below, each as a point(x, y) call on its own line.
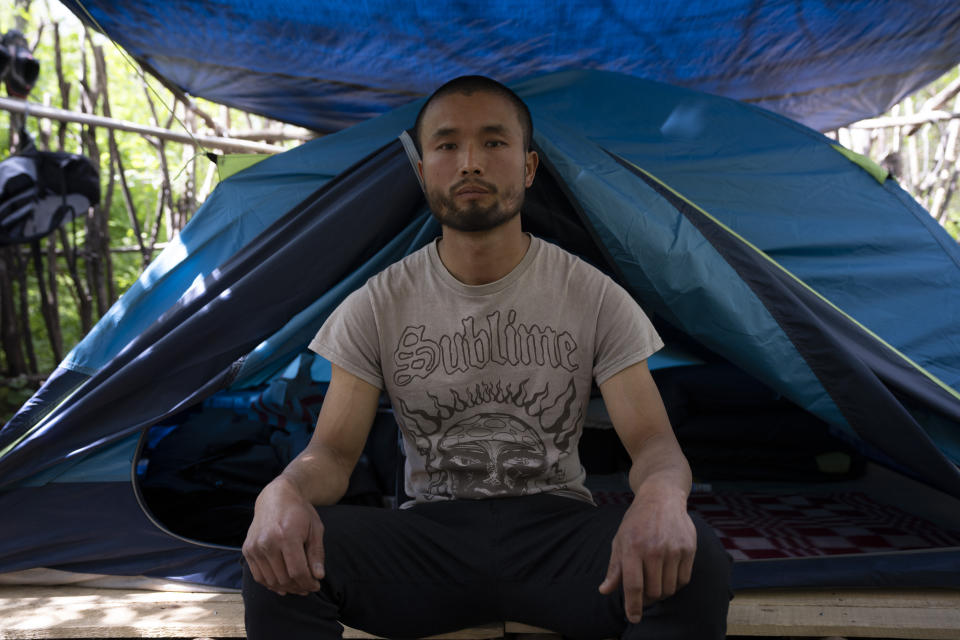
point(444, 566)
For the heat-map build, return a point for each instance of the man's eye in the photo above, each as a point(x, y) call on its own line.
point(447, 146)
point(495, 143)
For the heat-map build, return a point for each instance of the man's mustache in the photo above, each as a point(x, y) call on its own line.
point(473, 182)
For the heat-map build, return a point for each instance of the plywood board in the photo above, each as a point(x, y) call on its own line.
point(858, 613)
point(76, 612)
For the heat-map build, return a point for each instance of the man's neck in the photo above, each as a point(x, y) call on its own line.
point(476, 258)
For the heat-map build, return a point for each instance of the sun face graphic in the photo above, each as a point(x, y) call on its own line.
point(491, 454)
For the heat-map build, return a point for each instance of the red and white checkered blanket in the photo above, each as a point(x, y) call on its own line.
point(758, 526)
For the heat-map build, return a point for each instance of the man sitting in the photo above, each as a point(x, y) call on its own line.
point(487, 342)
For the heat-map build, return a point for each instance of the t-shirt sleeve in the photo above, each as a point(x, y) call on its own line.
point(349, 339)
point(625, 336)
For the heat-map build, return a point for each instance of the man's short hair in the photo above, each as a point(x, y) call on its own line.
point(472, 84)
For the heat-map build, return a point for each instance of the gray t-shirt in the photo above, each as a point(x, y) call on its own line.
point(489, 383)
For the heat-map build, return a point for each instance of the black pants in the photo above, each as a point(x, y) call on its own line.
point(445, 566)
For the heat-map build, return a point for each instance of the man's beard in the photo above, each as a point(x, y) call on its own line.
point(474, 216)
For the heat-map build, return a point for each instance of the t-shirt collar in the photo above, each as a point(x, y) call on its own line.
point(482, 289)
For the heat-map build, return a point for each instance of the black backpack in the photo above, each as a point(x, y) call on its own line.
point(41, 190)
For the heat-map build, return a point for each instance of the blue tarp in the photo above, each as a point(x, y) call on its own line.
point(327, 65)
point(742, 229)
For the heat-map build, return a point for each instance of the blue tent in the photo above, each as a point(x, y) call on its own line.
point(327, 65)
point(745, 235)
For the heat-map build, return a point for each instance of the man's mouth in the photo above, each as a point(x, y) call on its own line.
point(472, 189)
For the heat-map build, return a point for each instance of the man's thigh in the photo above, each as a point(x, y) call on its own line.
point(553, 557)
point(551, 574)
point(537, 560)
point(410, 573)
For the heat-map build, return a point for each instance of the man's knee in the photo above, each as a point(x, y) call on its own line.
point(698, 611)
point(710, 580)
point(268, 615)
point(714, 561)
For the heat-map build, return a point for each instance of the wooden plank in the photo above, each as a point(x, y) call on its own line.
point(929, 614)
point(860, 613)
point(519, 627)
point(77, 612)
point(483, 632)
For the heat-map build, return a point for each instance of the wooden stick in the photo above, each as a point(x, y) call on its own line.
point(47, 309)
point(61, 253)
point(44, 125)
point(916, 119)
point(128, 202)
point(159, 146)
point(939, 101)
point(25, 318)
point(52, 269)
point(948, 174)
point(164, 197)
point(223, 144)
point(63, 84)
point(912, 158)
point(98, 244)
point(271, 135)
point(9, 338)
point(80, 293)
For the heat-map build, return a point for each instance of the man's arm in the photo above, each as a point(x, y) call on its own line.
point(653, 550)
point(284, 545)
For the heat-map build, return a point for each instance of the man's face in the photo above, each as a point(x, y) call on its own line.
point(475, 168)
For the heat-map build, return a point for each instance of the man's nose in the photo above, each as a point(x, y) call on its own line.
point(471, 161)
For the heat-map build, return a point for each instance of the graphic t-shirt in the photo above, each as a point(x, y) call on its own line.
point(489, 383)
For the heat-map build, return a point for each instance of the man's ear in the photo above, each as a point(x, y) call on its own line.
point(420, 170)
point(530, 168)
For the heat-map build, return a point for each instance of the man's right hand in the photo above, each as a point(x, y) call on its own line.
point(284, 545)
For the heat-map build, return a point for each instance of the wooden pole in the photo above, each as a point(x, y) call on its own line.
point(48, 308)
point(24, 317)
point(271, 135)
point(939, 101)
point(223, 144)
point(947, 177)
point(913, 163)
point(913, 120)
point(9, 330)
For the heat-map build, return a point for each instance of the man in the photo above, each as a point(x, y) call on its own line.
point(487, 342)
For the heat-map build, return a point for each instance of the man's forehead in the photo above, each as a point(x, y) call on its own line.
point(483, 111)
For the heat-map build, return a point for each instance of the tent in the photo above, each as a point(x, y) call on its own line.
point(327, 65)
point(752, 241)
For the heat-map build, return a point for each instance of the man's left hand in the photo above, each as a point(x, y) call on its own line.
point(653, 551)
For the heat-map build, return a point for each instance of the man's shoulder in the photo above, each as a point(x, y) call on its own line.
point(402, 273)
point(562, 262)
